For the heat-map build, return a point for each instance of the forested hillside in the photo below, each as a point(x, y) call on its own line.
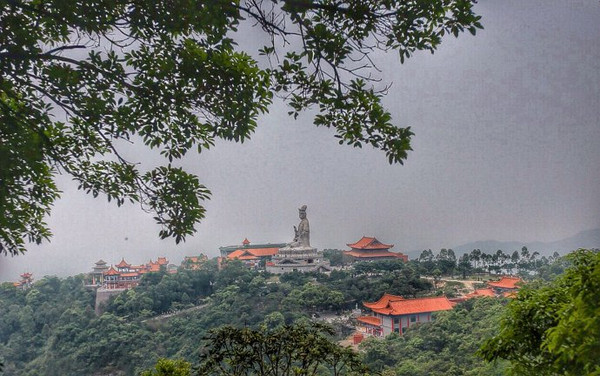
point(51, 328)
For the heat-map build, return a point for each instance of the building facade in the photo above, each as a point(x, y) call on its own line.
point(395, 314)
point(125, 275)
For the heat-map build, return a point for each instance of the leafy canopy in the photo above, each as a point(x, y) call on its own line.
point(81, 80)
point(288, 350)
point(553, 328)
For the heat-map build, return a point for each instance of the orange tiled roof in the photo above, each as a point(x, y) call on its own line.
point(235, 254)
point(251, 253)
point(162, 261)
point(111, 271)
point(261, 252)
point(154, 267)
point(509, 294)
point(369, 243)
point(371, 320)
point(246, 241)
point(481, 292)
point(383, 302)
point(360, 254)
point(123, 264)
point(247, 257)
point(506, 283)
point(412, 306)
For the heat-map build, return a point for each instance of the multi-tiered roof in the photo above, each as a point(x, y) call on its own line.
point(369, 248)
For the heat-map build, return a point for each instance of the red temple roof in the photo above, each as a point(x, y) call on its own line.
point(153, 267)
point(371, 320)
point(412, 306)
point(162, 261)
point(369, 243)
point(383, 301)
point(237, 254)
point(246, 241)
point(247, 257)
point(506, 283)
point(123, 264)
point(251, 253)
point(261, 252)
point(111, 271)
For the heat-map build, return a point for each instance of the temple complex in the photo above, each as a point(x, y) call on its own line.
point(395, 314)
point(123, 275)
point(25, 282)
point(370, 249)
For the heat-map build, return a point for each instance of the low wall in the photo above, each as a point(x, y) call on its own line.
point(102, 296)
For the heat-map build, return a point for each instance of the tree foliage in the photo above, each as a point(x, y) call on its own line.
point(285, 351)
point(51, 328)
point(553, 327)
point(168, 367)
point(80, 81)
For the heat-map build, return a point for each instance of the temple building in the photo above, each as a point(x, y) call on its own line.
point(302, 260)
point(25, 282)
point(395, 314)
point(506, 286)
point(370, 249)
point(97, 274)
point(227, 250)
point(124, 275)
point(194, 262)
point(253, 257)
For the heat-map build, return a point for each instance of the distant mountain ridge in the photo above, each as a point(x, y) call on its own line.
point(583, 239)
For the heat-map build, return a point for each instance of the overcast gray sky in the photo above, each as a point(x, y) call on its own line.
point(507, 126)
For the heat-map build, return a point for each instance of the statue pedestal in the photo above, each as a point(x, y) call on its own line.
point(301, 259)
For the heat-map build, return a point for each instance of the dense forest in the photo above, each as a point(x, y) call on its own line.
point(51, 328)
